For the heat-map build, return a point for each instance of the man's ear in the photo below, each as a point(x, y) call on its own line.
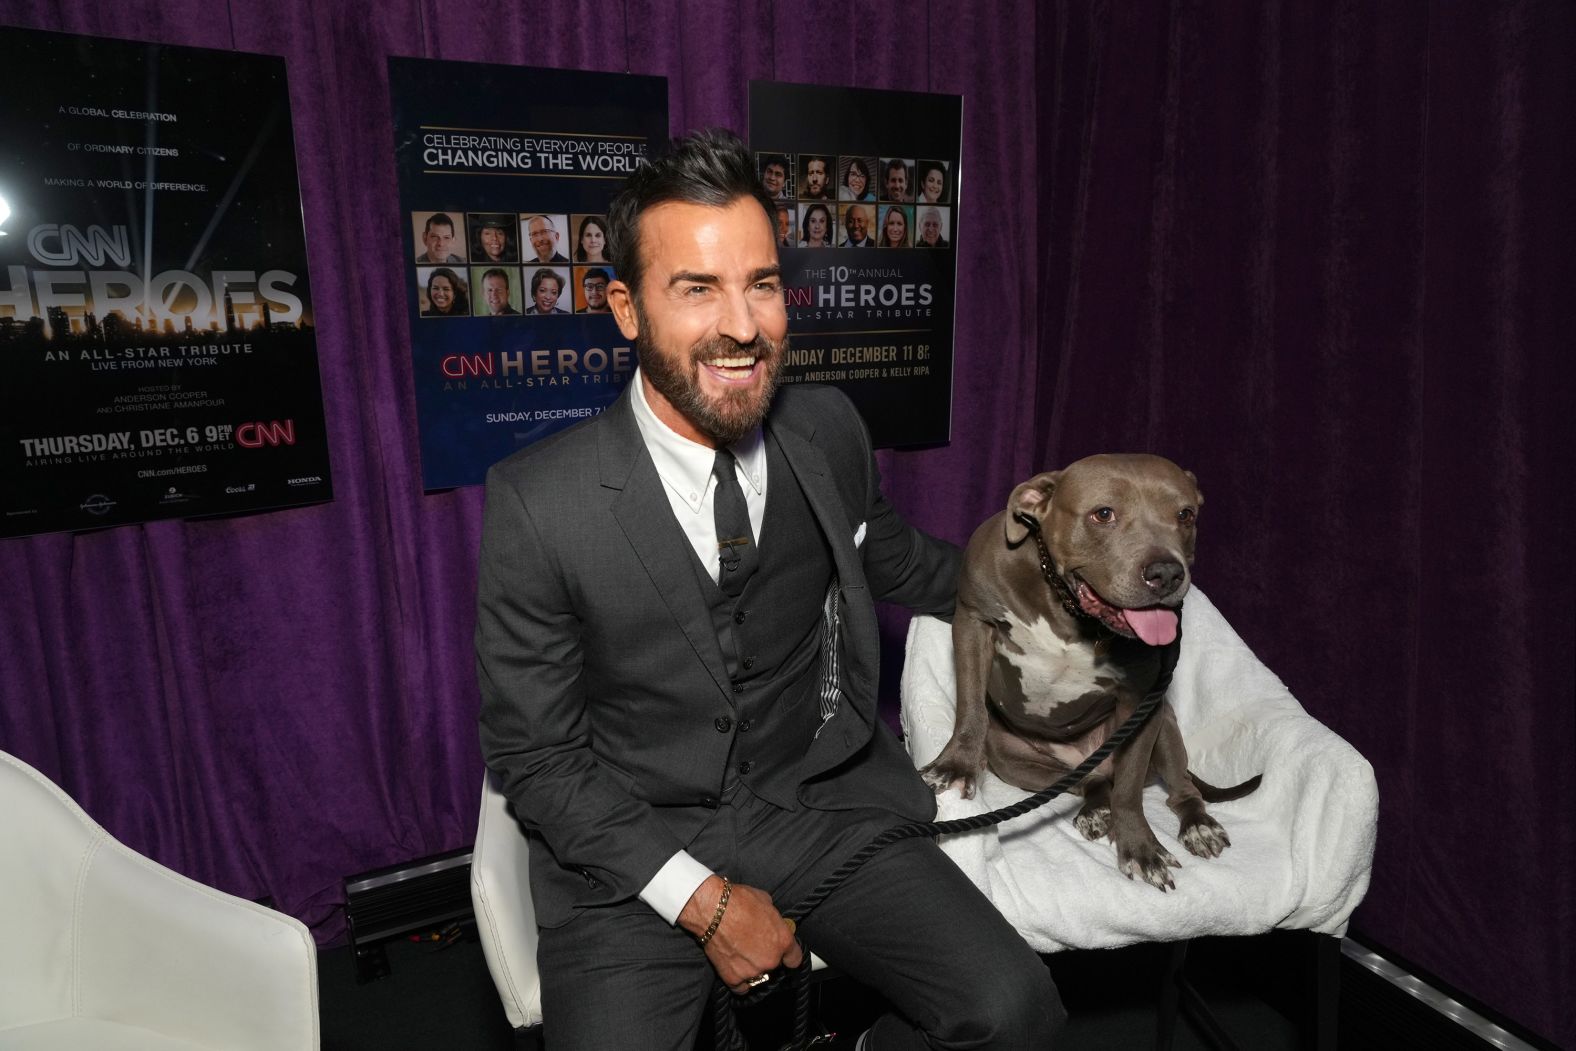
point(621, 301)
point(1032, 498)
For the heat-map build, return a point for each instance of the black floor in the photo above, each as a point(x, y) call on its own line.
point(1259, 989)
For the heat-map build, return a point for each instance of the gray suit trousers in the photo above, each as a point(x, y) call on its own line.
point(908, 924)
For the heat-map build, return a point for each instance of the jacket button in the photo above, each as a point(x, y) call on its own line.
point(739, 615)
point(738, 687)
point(723, 724)
point(746, 766)
point(749, 662)
point(744, 726)
point(710, 802)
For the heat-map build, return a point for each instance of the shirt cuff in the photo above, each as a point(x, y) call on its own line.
point(673, 885)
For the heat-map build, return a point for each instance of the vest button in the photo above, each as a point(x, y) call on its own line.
point(738, 687)
point(744, 726)
point(746, 766)
point(739, 615)
point(748, 662)
point(710, 802)
point(723, 724)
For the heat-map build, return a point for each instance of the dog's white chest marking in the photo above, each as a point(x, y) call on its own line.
point(1051, 671)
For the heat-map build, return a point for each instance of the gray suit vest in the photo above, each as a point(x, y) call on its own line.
point(771, 642)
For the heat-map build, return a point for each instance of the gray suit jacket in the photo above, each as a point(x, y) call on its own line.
point(600, 671)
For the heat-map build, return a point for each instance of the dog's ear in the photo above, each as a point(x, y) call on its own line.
point(1197, 492)
point(1031, 498)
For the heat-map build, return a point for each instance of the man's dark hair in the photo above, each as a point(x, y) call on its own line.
point(595, 271)
point(779, 159)
point(438, 219)
point(542, 275)
point(496, 272)
point(709, 167)
point(897, 164)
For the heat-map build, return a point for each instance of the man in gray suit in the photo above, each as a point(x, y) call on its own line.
point(679, 672)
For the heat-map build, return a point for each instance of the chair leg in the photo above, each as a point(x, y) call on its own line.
point(1322, 1022)
point(1170, 996)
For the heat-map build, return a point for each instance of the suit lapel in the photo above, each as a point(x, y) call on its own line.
point(646, 518)
point(861, 638)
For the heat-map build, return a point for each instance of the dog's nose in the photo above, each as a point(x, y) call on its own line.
point(1163, 577)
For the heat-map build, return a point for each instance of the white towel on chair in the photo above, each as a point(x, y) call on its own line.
point(1301, 845)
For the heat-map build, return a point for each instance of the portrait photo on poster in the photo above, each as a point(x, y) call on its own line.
point(440, 238)
point(493, 238)
point(443, 291)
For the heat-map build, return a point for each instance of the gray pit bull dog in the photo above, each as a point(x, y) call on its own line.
point(1050, 662)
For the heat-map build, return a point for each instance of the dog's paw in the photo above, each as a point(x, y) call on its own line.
point(1205, 838)
point(1093, 821)
point(1149, 862)
point(941, 776)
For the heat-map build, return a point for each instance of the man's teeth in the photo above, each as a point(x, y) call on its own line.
point(743, 364)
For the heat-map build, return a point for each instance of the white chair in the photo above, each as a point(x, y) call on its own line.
point(1301, 845)
point(108, 950)
point(501, 896)
point(505, 918)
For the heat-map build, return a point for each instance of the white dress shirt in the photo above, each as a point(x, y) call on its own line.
point(685, 469)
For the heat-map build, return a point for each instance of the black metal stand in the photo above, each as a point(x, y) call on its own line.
point(1320, 1016)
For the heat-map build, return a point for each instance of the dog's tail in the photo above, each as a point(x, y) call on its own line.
point(1212, 794)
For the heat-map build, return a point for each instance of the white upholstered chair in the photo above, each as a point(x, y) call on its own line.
point(505, 919)
point(1302, 844)
point(501, 895)
point(105, 949)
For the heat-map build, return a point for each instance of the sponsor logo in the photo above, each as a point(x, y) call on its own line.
point(247, 488)
point(98, 504)
point(311, 479)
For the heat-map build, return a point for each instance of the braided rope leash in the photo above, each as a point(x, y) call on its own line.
point(727, 1036)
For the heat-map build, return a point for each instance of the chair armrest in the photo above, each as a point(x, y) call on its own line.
point(158, 950)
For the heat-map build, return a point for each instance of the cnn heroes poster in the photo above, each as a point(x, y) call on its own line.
point(505, 174)
point(866, 186)
point(156, 335)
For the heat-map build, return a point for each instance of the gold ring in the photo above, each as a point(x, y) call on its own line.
point(760, 979)
point(792, 926)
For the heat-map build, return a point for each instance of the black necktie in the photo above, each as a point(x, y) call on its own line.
point(735, 539)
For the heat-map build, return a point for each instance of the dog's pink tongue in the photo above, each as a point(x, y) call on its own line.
point(1158, 627)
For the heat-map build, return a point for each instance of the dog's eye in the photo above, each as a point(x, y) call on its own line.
point(1186, 516)
point(1104, 516)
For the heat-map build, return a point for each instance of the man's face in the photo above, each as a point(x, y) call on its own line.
point(710, 325)
point(437, 241)
point(858, 224)
point(596, 293)
point(493, 242)
point(546, 295)
point(930, 226)
point(543, 238)
point(773, 176)
point(897, 183)
point(814, 178)
point(784, 225)
point(495, 293)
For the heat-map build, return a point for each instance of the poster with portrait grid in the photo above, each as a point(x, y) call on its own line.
point(866, 187)
point(505, 174)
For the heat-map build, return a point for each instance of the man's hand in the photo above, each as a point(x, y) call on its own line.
point(753, 938)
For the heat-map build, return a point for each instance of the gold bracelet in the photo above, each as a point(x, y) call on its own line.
point(716, 919)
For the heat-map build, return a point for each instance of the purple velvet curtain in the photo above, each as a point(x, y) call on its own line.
point(1319, 254)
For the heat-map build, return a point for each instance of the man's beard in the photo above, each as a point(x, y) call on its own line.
point(724, 420)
